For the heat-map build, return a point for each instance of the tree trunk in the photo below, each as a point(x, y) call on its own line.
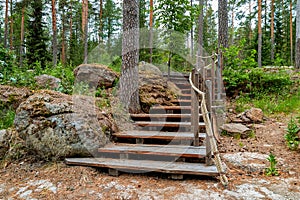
point(291, 30)
point(54, 29)
point(192, 36)
point(250, 21)
point(151, 31)
point(297, 56)
point(200, 30)
point(272, 30)
point(101, 21)
point(259, 33)
point(6, 24)
point(223, 24)
point(70, 29)
point(129, 81)
point(11, 27)
point(85, 4)
point(63, 40)
point(22, 36)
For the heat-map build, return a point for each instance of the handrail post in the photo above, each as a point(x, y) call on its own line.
point(208, 137)
point(195, 108)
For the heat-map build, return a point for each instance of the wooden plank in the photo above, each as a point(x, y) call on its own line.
point(156, 150)
point(166, 124)
point(158, 135)
point(146, 165)
point(174, 116)
point(171, 108)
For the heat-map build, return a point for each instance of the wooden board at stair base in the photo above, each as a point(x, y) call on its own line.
point(156, 150)
point(160, 135)
point(146, 166)
point(155, 117)
point(171, 108)
point(167, 124)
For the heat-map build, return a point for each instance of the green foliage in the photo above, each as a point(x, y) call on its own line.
point(7, 59)
point(242, 75)
point(7, 117)
point(272, 170)
point(291, 136)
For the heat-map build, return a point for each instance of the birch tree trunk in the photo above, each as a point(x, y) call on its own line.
point(297, 56)
point(259, 33)
point(129, 81)
point(54, 29)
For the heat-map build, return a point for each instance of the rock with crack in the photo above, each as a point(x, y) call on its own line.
point(253, 115)
point(154, 88)
point(47, 82)
point(55, 125)
point(4, 143)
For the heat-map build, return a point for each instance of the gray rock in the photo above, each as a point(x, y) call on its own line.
point(252, 162)
point(4, 142)
point(235, 128)
point(56, 125)
point(47, 82)
point(95, 75)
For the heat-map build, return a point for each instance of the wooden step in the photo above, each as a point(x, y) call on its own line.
point(146, 166)
point(161, 116)
point(183, 85)
point(186, 91)
point(182, 101)
point(171, 108)
point(160, 135)
point(176, 75)
point(156, 150)
point(166, 124)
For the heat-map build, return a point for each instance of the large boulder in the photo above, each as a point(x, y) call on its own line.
point(12, 96)
point(47, 82)
point(154, 88)
point(55, 125)
point(95, 75)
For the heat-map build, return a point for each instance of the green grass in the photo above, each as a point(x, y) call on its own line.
point(271, 103)
point(6, 118)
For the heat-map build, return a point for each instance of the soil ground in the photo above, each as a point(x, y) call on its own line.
point(27, 180)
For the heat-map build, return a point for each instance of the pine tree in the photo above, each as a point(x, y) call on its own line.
point(36, 39)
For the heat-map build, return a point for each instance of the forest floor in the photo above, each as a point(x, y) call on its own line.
point(27, 180)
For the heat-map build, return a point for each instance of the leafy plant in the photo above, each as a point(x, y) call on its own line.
point(6, 118)
point(291, 136)
point(272, 170)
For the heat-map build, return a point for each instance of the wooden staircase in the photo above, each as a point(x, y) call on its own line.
point(162, 142)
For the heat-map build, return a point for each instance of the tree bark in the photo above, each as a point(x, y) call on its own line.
point(259, 34)
point(54, 29)
point(6, 24)
point(223, 24)
point(85, 4)
point(151, 31)
point(291, 30)
point(22, 36)
point(11, 27)
point(63, 39)
point(200, 30)
point(250, 21)
point(192, 35)
point(297, 56)
point(272, 30)
point(129, 81)
point(101, 21)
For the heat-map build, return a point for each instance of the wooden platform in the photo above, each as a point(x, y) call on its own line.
point(146, 166)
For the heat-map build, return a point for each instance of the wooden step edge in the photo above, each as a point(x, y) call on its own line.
point(146, 166)
point(161, 116)
point(158, 135)
point(166, 124)
point(156, 150)
point(171, 108)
